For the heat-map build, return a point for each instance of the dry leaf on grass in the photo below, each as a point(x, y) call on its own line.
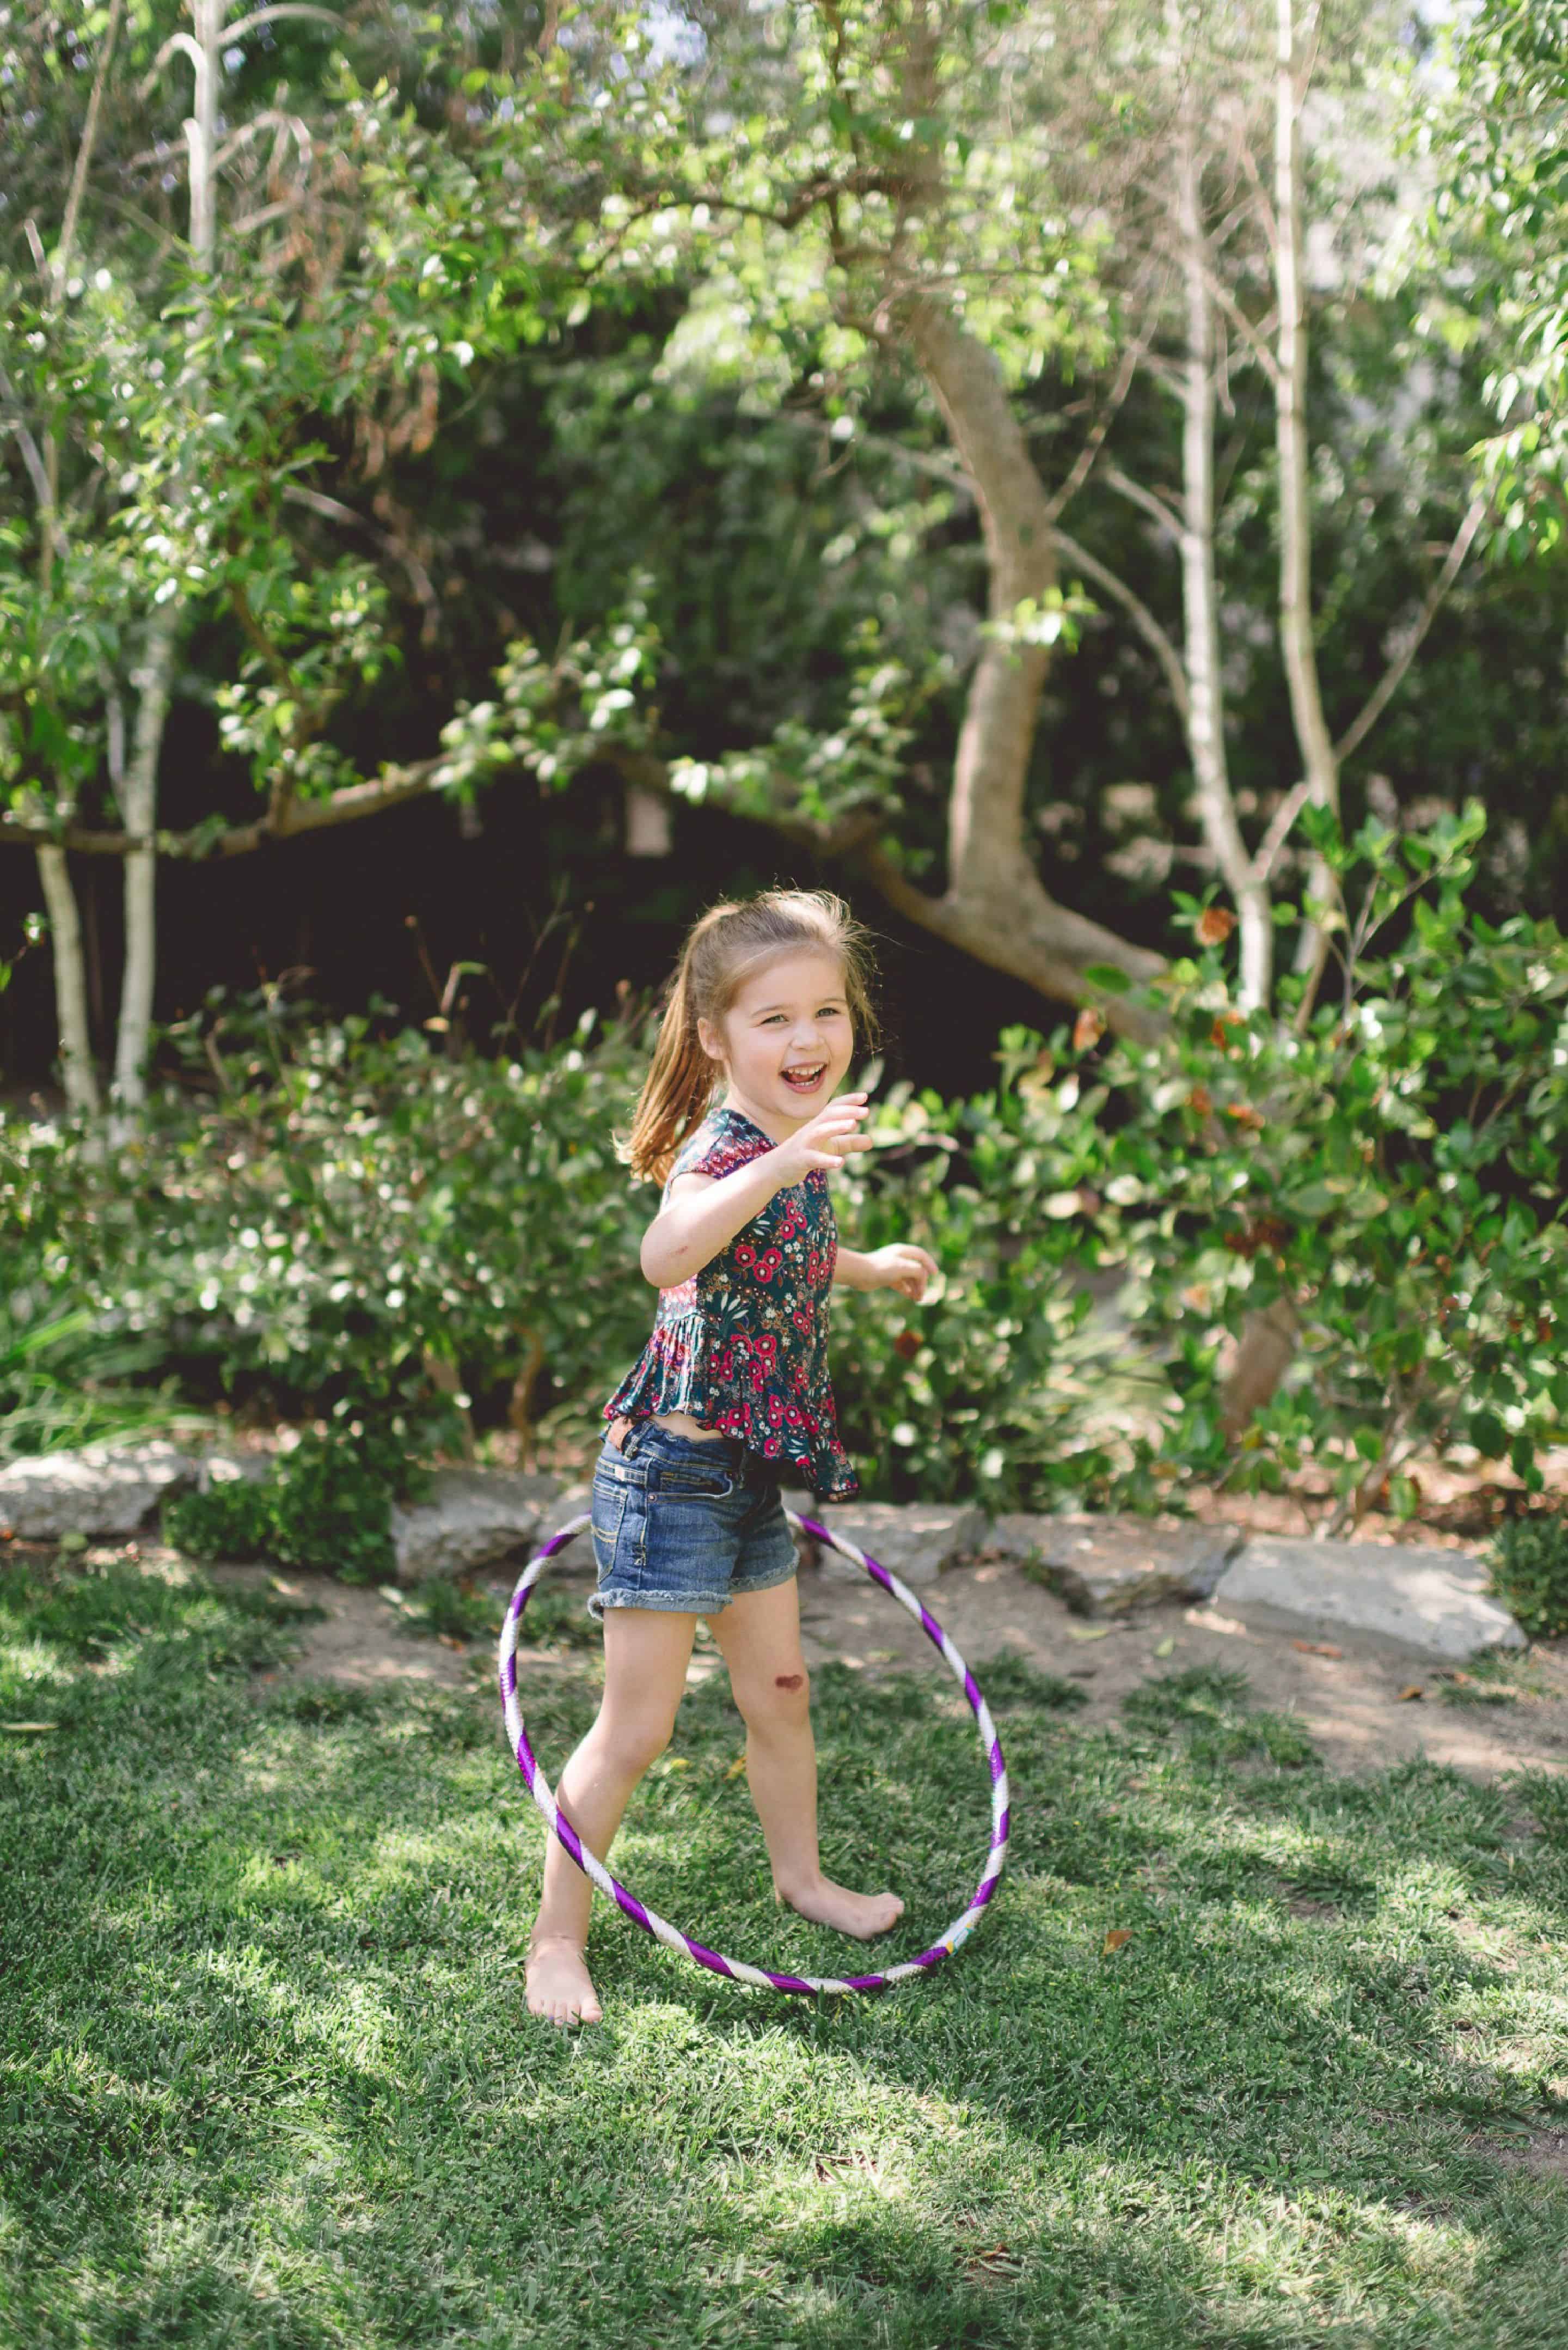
point(1115, 1938)
point(1203, 1619)
point(1317, 1648)
point(1088, 1631)
point(1408, 1696)
point(736, 1767)
point(1167, 1646)
point(27, 1729)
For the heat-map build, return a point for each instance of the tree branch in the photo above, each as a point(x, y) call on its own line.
point(284, 9)
point(1155, 507)
point(84, 155)
point(391, 788)
point(1142, 619)
point(1062, 497)
point(1372, 708)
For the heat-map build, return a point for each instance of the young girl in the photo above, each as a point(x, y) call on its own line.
point(731, 1394)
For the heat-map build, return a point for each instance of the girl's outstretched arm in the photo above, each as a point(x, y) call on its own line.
point(901, 1266)
point(702, 1215)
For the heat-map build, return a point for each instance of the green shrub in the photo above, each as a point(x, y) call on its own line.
point(356, 1221)
point(1003, 1387)
point(1383, 1164)
point(362, 1226)
point(327, 1503)
point(1530, 1573)
point(65, 1381)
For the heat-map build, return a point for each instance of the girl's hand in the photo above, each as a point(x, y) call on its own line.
point(827, 1141)
point(903, 1267)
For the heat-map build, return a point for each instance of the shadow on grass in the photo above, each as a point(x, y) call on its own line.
point(266, 2079)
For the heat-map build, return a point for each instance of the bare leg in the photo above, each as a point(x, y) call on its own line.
point(647, 1651)
point(759, 1639)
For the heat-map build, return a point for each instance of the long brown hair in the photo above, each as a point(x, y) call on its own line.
point(722, 950)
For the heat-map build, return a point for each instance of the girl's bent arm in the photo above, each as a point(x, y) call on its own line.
point(701, 1216)
point(703, 1213)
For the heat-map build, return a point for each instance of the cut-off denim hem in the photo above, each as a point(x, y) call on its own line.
point(678, 1601)
point(684, 1525)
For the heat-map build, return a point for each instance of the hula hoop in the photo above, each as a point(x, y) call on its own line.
point(764, 1978)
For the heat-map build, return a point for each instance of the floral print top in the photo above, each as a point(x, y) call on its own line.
point(742, 1346)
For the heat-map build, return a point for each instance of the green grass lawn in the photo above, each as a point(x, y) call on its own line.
point(266, 2077)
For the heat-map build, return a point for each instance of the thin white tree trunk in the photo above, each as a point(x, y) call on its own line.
point(1205, 712)
point(78, 1072)
point(1320, 768)
point(138, 812)
point(139, 799)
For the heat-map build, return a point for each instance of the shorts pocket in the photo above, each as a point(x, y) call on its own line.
point(692, 1485)
point(608, 1511)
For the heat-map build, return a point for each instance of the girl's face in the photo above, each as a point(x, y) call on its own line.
point(785, 1041)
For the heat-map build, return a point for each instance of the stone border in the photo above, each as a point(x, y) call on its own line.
point(1433, 1602)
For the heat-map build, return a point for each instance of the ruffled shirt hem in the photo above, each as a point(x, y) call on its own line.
point(674, 1374)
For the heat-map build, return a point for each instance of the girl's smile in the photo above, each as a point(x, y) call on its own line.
point(785, 1041)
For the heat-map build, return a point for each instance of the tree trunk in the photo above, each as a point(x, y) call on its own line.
point(138, 812)
point(78, 1073)
point(995, 904)
point(1319, 765)
point(139, 801)
point(1205, 711)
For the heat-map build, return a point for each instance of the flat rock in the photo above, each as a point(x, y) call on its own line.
point(1104, 1565)
point(1433, 1601)
point(102, 1491)
point(914, 1539)
point(470, 1519)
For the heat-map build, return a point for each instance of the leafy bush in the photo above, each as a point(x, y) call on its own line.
point(324, 1504)
point(359, 1224)
point(1004, 1386)
point(65, 1382)
point(1530, 1573)
point(1382, 1166)
point(357, 1220)
point(364, 1227)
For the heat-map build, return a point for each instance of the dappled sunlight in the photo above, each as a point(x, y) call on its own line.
point(1164, 2094)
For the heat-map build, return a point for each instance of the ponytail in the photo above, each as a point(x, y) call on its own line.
point(722, 950)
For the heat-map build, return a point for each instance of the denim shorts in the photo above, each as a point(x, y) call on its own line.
point(686, 1524)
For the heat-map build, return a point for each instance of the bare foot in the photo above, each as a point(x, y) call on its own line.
point(558, 1984)
point(864, 1915)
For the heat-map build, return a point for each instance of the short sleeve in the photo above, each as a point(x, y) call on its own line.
point(720, 1144)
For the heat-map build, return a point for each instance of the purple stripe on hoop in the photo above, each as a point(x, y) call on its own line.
point(569, 1837)
point(810, 1527)
point(633, 1908)
point(520, 1599)
point(931, 1628)
point(509, 1678)
point(972, 1691)
point(997, 1765)
point(983, 1891)
point(867, 1982)
point(1002, 1826)
point(709, 1958)
point(787, 1983)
